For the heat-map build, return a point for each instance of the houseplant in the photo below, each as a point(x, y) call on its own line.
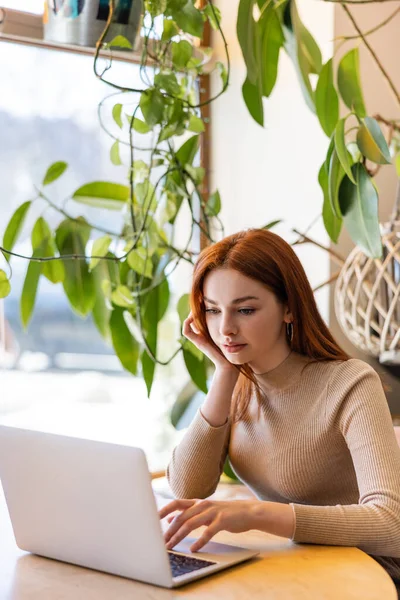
point(121, 277)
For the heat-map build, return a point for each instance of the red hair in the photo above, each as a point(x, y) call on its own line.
point(267, 258)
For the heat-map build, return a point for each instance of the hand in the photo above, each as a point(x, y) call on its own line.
point(191, 332)
point(235, 516)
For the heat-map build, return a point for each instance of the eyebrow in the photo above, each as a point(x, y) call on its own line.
point(236, 301)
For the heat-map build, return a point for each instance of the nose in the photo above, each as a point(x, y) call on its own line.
point(227, 326)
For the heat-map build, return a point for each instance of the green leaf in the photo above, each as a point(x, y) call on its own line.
point(335, 176)
point(183, 401)
point(42, 238)
point(103, 194)
point(272, 224)
point(333, 224)
point(213, 206)
point(303, 51)
point(100, 248)
point(29, 289)
point(120, 41)
point(195, 124)
point(372, 143)
point(359, 205)
point(126, 347)
point(114, 154)
point(213, 15)
point(167, 82)
point(71, 238)
point(190, 19)
point(155, 7)
point(139, 261)
point(183, 307)
point(122, 296)
point(272, 39)
point(152, 106)
point(54, 172)
point(340, 146)
point(326, 100)
point(101, 312)
point(14, 227)
point(116, 113)
point(181, 53)
point(253, 100)
point(138, 125)
point(5, 287)
point(170, 30)
point(163, 298)
point(148, 371)
point(223, 72)
point(245, 30)
point(349, 82)
point(196, 369)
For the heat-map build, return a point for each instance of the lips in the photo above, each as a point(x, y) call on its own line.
point(232, 348)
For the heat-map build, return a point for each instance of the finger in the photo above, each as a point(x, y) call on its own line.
point(174, 506)
point(205, 537)
point(197, 521)
point(199, 507)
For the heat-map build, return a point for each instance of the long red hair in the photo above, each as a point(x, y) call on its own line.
point(267, 258)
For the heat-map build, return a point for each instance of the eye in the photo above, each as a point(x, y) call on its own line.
point(246, 311)
point(211, 311)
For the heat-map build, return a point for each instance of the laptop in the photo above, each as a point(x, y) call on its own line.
point(91, 504)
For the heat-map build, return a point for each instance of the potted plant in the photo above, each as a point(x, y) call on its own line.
point(120, 277)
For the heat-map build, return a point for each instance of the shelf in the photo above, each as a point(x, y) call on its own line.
point(133, 57)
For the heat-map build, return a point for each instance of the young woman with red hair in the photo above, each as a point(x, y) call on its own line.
point(305, 427)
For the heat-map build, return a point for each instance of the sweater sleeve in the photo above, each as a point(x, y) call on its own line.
point(197, 462)
point(361, 412)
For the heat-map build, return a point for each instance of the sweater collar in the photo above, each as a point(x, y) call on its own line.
point(285, 374)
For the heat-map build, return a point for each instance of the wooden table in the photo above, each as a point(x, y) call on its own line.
point(284, 571)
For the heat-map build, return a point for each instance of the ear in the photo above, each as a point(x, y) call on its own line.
point(287, 316)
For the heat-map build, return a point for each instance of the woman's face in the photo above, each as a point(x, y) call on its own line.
point(244, 319)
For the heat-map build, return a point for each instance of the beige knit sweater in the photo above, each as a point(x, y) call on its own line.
point(324, 443)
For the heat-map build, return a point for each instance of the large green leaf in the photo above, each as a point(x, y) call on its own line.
point(152, 106)
point(245, 29)
point(140, 261)
point(14, 227)
point(302, 49)
point(29, 289)
point(103, 194)
point(181, 53)
point(326, 100)
point(116, 113)
point(196, 369)
point(42, 238)
point(183, 307)
point(253, 100)
point(359, 206)
point(190, 19)
point(185, 398)
point(335, 176)
point(372, 143)
point(341, 150)
point(150, 320)
point(78, 282)
point(333, 224)
point(101, 311)
point(126, 347)
point(54, 172)
point(213, 206)
point(272, 39)
point(100, 248)
point(349, 82)
point(5, 287)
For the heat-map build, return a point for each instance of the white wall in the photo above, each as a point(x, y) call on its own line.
point(270, 173)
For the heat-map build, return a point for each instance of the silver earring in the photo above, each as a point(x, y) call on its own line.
point(289, 331)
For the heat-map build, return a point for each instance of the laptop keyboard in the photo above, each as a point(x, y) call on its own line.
point(182, 564)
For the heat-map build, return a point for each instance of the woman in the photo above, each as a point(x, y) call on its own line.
point(305, 427)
